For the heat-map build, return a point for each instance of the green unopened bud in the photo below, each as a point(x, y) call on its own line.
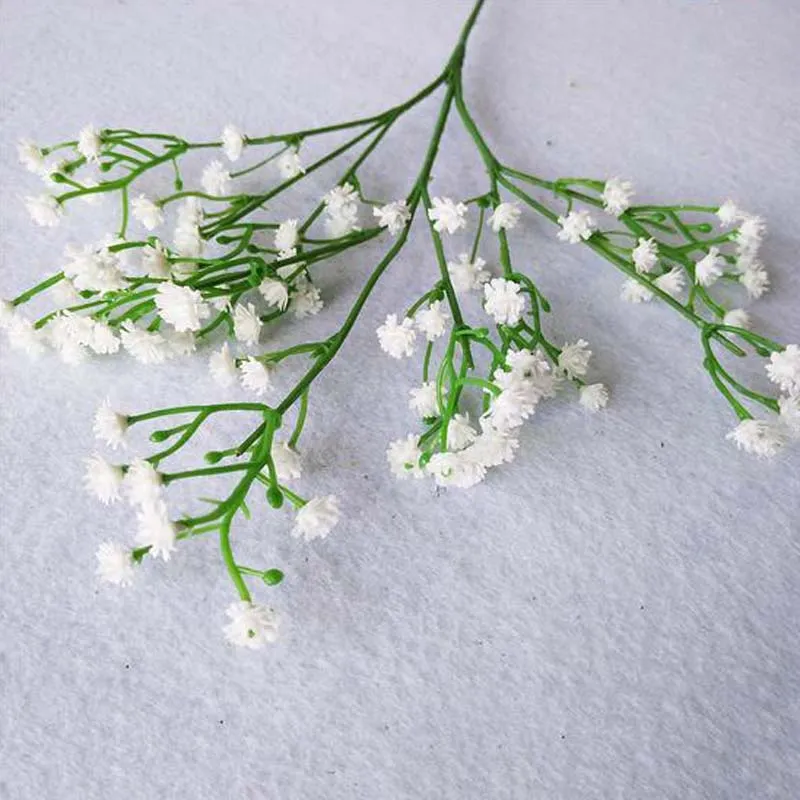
point(213, 457)
point(275, 497)
point(159, 436)
point(272, 577)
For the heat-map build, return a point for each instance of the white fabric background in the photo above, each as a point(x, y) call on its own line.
point(613, 616)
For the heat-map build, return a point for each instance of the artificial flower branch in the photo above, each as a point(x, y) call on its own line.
point(222, 279)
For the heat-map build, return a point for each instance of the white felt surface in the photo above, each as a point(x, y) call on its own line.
point(614, 616)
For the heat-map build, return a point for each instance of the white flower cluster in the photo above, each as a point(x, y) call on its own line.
point(341, 210)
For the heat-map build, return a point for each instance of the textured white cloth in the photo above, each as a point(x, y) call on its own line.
point(614, 615)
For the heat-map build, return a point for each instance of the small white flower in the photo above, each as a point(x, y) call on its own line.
point(672, 282)
point(154, 261)
point(102, 479)
point(246, 323)
point(94, 268)
point(110, 426)
point(342, 221)
point(790, 414)
point(447, 215)
point(574, 359)
point(749, 236)
point(30, 156)
point(577, 226)
point(22, 335)
point(403, 456)
point(466, 275)
point(527, 363)
point(594, 396)
point(181, 306)
point(286, 236)
point(424, 400)
point(340, 197)
point(503, 301)
point(251, 625)
point(456, 469)
point(784, 369)
point(254, 376)
point(316, 518)
point(45, 210)
point(288, 465)
point(737, 318)
point(459, 432)
point(394, 216)
point(306, 300)
point(8, 312)
point(89, 143)
point(493, 448)
point(232, 142)
point(156, 530)
point(275, 292)
point(147, 347)
point(709, 269)
point(729, 212)
point(222, 367)
point(634, 291)
point(397, 339)
point(504, 217)
point(755, 280)
point(142, 483)
point(289, 164)
point(115, 564)
point(432, 321)
point(645, 255)
point(617, 196)
point(147, 212)
point(216, 179)
point(757, 436)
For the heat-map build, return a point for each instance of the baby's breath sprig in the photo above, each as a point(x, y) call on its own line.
point(231, 269)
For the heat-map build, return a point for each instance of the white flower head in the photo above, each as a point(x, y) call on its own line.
point(749, 236)
point(142, 483)
point(493, 447)
point(110, 426)
point(102, 479)
point(634, 291)
point(789, 406)
point(403, 456)
point(594, 396)
point(317, 518)
point(216, 180)
point(232, 142)
point(246, 323)
point(574, 359)
point(672, 282)
point(254, 376)
point(222, 366)
point(94, 267)
point(393, 216)
point(504, 217)
point(156, 530)
point(306, 300)
point(459, 469)
point(115, 564)
point(710, 268)
point(729, 213)
point(30, 156)
point(90, 143)
point(251, 625)
point(757, 436)
point(397, 338)
point(287, 461)
point(432, 321)
point(503, 301)
point(447, 215)
point(460, 432)
point(577, 226)
point(147, 347)
point(44, 210)
point(784, 369)
point(755, 279)
point(154, 261)
point(147, 212)
point(342, 221)
point(8, 312)
point(340, 197)
point(617, 196)
point(737, 318)
point(527, 363)
point(289, 164)
point(181, 306)
point(466, 275)
point(645, 255)
point(275, 292)
point(424, 400)
point(104, 340)
point(286, 237)
point(22, 335)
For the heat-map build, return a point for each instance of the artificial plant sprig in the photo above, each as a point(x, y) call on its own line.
point(231, 269)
